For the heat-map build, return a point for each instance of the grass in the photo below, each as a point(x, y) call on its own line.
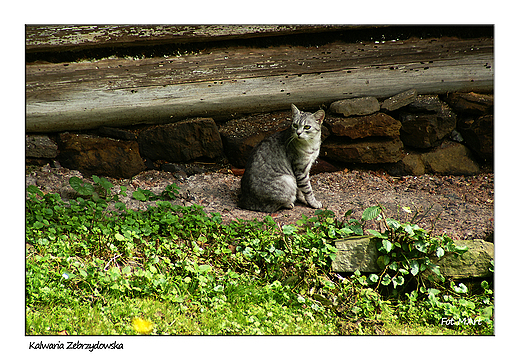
point(90, 271)
point(169, 318)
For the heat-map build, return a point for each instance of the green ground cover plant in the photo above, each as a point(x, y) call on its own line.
point(91, 270)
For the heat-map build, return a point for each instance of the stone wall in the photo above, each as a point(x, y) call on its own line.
point(407, 134)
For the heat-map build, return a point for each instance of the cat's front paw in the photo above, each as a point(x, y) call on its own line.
point(315, 204)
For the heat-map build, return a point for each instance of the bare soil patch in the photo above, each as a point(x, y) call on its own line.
point(462, 207)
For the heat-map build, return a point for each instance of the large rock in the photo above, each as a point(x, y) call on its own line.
point(40, 146)
point(182, 142)
point(474, 263)
point(356, 253)
point(411, 164)
point(369, 151)
point(471, 103)
point(450, 159)
point(400, 100)
point(240, 136)
point(374, 125)
point(427, 104)
point(478, 135)
point(100, 156)
point(360, 253)
point(355, 106)
point(426, 122)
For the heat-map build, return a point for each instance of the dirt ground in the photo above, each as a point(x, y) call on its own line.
point(462, 207)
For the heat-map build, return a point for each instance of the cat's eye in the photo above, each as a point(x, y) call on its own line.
point(295, 126)
point(307, 127)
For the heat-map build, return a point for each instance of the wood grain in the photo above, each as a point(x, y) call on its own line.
point(222, 82)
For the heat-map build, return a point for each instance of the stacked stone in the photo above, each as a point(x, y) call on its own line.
point(408, 134)
point(363, 134)
point(430, 135)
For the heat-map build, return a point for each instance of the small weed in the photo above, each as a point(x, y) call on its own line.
point(183, 271)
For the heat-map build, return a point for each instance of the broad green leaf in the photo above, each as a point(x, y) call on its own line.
point(204, 268)
point(38, 225)
point(394, 266)
point(439, 252)
point(103, 182)
point(377, 234)
point(139, 195)
point(34, 190)
point(386, 280)
point(85, 189)
point(382, 261)
point(83, 273)
point(436, 269)
point(373, 278)
point(371, 213)
point(398, 281)
point(409, 229)
point(461, 288)
point(387, 245)
point(484, 284)
point(461, 249)
point(421, 246)
point(487, 313)
point(392, 223)
point(288, 229)
point(414, 267)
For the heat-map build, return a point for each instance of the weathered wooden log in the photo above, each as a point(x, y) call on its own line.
point(223, 82)
point(49, 38)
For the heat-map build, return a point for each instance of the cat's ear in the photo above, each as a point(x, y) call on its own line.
point(295, 111)
point(319, 116)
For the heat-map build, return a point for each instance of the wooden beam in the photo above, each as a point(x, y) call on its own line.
point(122, 92)
point(47, 38)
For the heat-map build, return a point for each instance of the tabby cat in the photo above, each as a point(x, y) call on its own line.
point(277, 171)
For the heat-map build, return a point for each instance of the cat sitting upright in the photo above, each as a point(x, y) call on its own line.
point(277, 171)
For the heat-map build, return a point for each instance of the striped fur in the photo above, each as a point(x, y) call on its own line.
point(277, 171)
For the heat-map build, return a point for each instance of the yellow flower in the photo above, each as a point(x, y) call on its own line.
point(142, 326)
